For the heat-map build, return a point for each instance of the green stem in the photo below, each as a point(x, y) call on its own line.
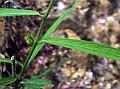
point(39, 33)
point(13, 67)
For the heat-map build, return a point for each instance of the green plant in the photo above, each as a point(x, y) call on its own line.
point(81, 45)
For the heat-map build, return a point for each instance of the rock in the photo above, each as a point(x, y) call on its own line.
point(61, 6)
point(108, 86)
point(89, 76)
point(108, 76)
point(116, 87)
point(111, 23)
point(95, 86)
point(99, 69)
point(75, 75)
point(67, 71)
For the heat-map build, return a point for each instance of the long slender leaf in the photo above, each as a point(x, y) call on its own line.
point(6, 60)
point(56, 66)
point(51, 30)
point(16, 12)
point(36, 83)
point(6, 81)
point(87, 46)
point(57, 23)
point(36, 50)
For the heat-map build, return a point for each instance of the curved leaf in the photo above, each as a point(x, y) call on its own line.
point(58, 22)
point(51, 30)
point(36, 83)
point(87, 47)
point(16, 12)
point(6, 81)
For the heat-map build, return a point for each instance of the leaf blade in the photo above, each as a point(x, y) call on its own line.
point(36, 50)
point(16, 12)
point(58, 21)
point(6, 60)
point(87, 47)
point(36, 83)
point(8, 80)
point(51, 30)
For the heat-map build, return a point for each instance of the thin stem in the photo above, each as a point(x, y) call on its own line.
point(13, 69)
point(13, 66)
point(36, 38)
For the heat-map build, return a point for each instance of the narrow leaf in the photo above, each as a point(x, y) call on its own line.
point(36, 83)
point(36, 50)
point(6, 60)
point(87, 47)
point(16, 12)
point(56, 66)
point(58, 22)
point(51, 30)
point(6, 81)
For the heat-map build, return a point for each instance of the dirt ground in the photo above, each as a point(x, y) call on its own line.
point(92, 20)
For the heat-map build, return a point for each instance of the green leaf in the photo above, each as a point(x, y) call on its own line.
point(6, 60)
point(16, 12)
point(87, 47)
point(56, 66)
point(57, 23)
point(51, 30)
point(6, 81)
point(36, 83)
point(19, 63)
point(36, 50)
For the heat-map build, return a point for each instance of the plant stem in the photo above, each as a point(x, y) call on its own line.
point(39, 33)
point(13, 66)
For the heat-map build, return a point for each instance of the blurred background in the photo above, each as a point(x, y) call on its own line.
point(92, 20)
